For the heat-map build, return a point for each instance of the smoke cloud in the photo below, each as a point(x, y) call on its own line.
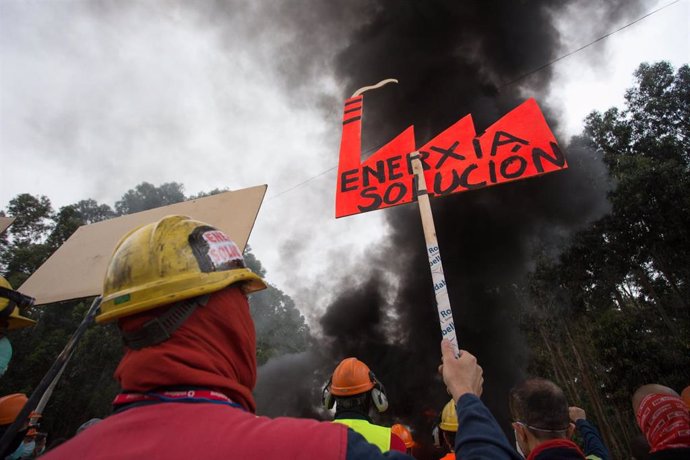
point(453, 58)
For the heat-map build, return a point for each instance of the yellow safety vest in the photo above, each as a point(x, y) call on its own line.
point(380, 436)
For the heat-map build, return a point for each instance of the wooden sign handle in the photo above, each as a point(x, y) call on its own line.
point(445, 313)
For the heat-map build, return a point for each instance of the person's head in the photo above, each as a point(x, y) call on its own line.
point(177, 288)
point(649, 389)
point(540, 413)
point(10, 407)
point(448, 425)
point(10, 301)
point(662, 416)
point(405, 435)
point(354, 387)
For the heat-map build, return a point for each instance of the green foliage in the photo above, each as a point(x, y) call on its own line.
point(21, 259)
point(91, 212)
point(23, 247)
point(253, 263)
point(87, 387)
point(613, 312)
point(67, 221)
point(147, 196)
point(655, 122)
point(215, 191)
point(32, 214)
point(280, 328)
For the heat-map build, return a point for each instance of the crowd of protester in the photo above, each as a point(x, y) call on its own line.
point(178, 291)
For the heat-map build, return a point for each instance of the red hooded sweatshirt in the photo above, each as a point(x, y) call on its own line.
point(214, 350)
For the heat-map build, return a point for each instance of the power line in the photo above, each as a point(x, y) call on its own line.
point(366, 152)
point(520, 78)
point(302, 183)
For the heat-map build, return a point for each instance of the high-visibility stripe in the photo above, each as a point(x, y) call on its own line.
point(380, 436)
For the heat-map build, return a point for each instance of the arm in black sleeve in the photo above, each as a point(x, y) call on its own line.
point(594, 445)
point(479, 436)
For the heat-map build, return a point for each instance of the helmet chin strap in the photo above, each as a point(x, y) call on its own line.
point(16, 299)
point(160, 328)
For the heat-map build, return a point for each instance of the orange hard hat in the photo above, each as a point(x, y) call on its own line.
point(404, 434)
point(10, 406)
point(32, 432)
point(351, 377)
point(685, 396)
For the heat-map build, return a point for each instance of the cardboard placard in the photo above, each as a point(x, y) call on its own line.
point(518, 146)
point(5, 222)
point(77, 268)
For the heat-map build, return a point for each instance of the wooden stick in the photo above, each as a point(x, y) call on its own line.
point(56, 368)
point(445, 313)
point(49, 391)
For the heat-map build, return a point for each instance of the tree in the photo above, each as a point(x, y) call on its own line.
point(147, 196)
point(646, 147)
point(91, 212)
point(31, 217)
point(280, 327)
point(23, 248)
point(37, 232)
point(73, 216)
point(67, 221)
point(612, 312)
point(215, 191)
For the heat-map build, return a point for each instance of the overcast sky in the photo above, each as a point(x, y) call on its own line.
point(96, 97)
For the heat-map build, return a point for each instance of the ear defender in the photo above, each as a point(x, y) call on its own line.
point(378, 394)
point(327, 399)
point(377, 391)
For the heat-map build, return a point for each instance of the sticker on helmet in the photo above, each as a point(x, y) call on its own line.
point(214, 251)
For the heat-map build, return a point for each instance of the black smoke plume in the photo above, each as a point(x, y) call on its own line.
point(453, 58)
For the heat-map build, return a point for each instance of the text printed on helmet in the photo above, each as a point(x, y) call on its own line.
point(221, 249)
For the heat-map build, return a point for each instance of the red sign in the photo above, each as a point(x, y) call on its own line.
point(517, 146)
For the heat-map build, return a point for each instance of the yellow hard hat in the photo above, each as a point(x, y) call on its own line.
point(449, 418)
point(170, 260)
point(14, 319)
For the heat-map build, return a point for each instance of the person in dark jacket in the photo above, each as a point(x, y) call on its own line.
point(541, 421)
point(594, 448)
point(664, 420)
